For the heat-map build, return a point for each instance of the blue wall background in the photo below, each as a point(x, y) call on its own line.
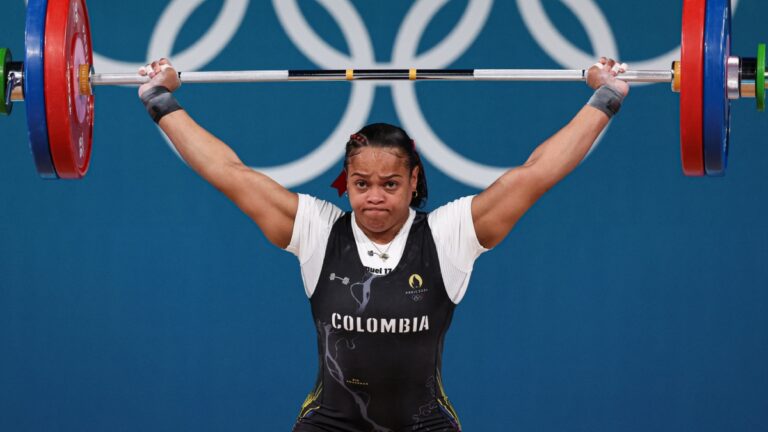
point(630, 298)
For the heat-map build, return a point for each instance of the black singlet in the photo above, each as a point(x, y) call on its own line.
point(380, 340)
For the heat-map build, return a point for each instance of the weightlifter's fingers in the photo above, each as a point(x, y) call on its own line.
point(154, 69)
point(145, 70)
point(619, 68)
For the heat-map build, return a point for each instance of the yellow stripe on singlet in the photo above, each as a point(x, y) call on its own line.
point(310, 403)
point(443, 399)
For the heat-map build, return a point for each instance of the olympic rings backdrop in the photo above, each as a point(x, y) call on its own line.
point(630, 298)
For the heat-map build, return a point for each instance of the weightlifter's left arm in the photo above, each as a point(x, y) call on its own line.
point(268, 203)
point(497, 209)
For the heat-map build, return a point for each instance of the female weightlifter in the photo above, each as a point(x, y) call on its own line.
point(382, 280)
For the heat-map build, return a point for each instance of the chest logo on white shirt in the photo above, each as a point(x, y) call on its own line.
point(417, 289)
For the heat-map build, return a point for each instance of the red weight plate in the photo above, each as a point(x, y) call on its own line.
point(70, 124)
point(692, 87)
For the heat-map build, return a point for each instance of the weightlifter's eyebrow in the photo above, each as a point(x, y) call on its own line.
point(367, 175)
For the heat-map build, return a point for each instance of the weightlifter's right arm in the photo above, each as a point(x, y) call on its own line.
point(269, 204)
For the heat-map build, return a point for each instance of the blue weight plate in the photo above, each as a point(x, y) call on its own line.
point(34, 88)
point(717, 106)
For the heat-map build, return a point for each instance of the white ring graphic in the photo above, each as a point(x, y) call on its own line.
point(557, 46)
point(324, 157)
point(167, 30)
point(361, 55)
point(316, 49)
point(408, 109)
point(451, 47)
point(598, 30)
point(360, 103)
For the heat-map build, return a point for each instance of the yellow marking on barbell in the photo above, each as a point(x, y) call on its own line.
point(350, 74)
point(412, 74)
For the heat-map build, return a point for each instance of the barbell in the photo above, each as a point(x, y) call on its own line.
point(56, 81)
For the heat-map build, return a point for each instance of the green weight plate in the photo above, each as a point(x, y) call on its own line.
point(760, 78)
point(5, 58)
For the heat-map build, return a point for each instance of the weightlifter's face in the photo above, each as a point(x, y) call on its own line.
point(380, 188)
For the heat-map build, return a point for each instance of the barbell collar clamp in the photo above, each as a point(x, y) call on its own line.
point(15, 90)
point(748, 73)
point(733, 77)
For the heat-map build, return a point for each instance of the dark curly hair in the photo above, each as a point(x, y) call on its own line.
point(389, 136)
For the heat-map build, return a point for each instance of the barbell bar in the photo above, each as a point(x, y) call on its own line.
point(647, 76)
point(57, 78)
point(739, 84)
